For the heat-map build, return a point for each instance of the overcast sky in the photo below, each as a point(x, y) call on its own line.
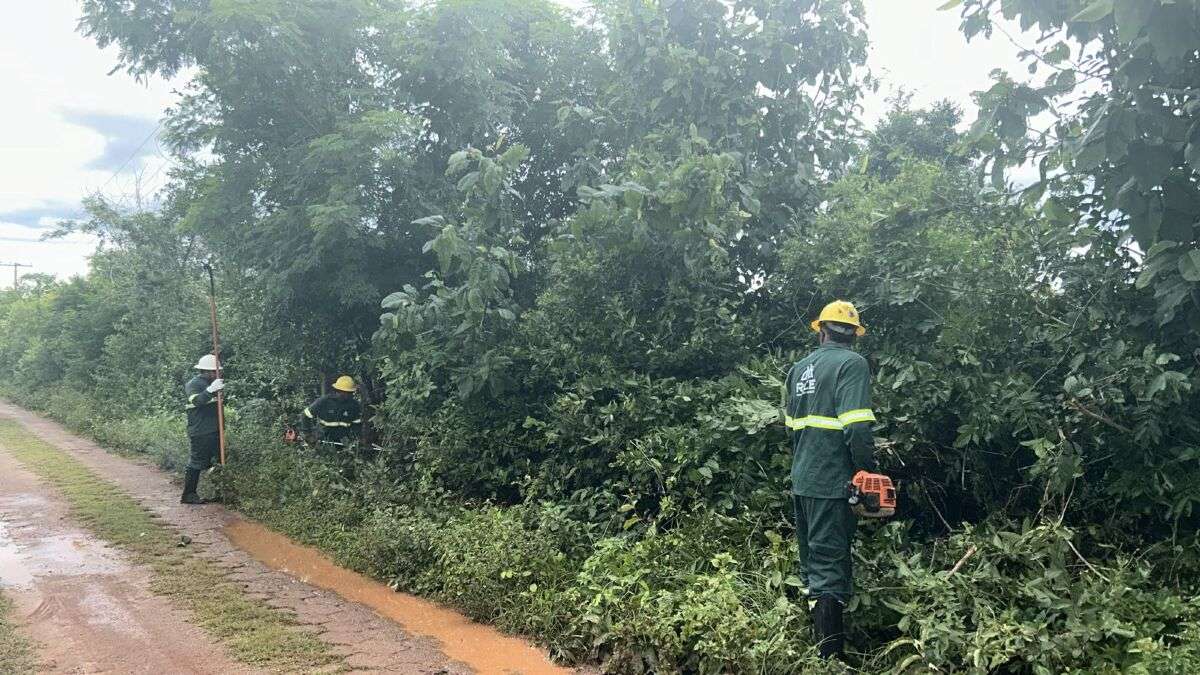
point(69, 129)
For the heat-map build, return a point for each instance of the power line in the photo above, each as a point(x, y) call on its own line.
point(15, 268)
point(132, 155)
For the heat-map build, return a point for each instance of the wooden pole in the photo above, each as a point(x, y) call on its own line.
point(216, 340)
point(16, 276)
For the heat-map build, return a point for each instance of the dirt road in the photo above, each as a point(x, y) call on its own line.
point(90, 609)
point(86, 606)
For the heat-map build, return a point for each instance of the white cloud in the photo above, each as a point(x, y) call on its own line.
point(128, 139)
point(51, 75)
point(61, 257)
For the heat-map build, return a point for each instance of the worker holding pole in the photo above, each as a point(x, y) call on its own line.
point(203, 427)
point(205, 407)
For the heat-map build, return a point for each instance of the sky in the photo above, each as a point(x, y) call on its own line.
point(70, 128)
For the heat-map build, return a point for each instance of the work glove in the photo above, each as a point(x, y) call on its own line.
point(217, 385)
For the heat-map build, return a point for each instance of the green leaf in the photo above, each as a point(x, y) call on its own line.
point(1145, 277)
point(949, 5)
point(1056, 212)
point(1158, 257)
point(1189, 265)
point(393, 300)
point(513, 157)
point(457, 161)
point(1172, 32)
point(998, 174)
point(1095, 11)
point(1145, 218)
point(1156, 385)
point(1077, 361)
point(492, 175)
point(1090, 156)
point(475, 299)
point(1058, 53)
point(1071, 384)
point(468, 182)
point(1132, 16)
point(1165, 358)
point(1150, 164)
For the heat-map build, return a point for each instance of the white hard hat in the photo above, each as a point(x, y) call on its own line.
point(207, 362)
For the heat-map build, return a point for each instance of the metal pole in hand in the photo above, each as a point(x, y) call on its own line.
point(216, 339)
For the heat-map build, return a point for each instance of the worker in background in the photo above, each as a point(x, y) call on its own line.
point(828, 413)
point(336, 417)
point(203, 435)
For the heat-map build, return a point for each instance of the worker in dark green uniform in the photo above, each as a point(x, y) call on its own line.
point(203, 435)
point(335, 417)
point(828, 410)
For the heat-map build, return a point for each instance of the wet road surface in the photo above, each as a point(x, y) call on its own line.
point(373, 628)
point(87, 607)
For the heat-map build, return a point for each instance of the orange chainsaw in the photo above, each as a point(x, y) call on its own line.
point(871, 495)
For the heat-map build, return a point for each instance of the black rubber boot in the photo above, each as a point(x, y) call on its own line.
point(827, 624)
point(191, 478)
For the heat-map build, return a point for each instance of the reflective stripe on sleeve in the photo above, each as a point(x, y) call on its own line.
point(860, 415)
point(308, 413)
point(333, 424)
point(192, 405)
point(814, 421)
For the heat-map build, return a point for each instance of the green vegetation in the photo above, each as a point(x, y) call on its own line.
point(254, 633)
point(16, 653)
point(1118, 140)
point(571, 261)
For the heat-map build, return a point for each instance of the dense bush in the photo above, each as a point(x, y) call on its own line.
point(571, 262)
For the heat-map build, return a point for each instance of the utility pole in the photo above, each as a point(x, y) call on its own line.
point(14, 266)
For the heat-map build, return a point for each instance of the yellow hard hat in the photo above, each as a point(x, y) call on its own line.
point(345, 383)
point(840, 311)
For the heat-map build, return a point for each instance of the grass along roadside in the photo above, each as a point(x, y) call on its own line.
point(16, 652)
point(254, 633)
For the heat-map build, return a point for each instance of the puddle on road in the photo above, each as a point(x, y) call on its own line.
point(70, 555)
point(483, 648)
point(53, 555)
point(27, 552)
point(13, 571)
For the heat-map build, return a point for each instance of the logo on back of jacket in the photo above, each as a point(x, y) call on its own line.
point(807, 383)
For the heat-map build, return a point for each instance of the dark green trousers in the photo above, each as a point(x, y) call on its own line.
point(824, 529)
point(205, 450)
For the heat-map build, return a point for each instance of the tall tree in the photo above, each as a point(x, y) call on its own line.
point(1113, 126)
